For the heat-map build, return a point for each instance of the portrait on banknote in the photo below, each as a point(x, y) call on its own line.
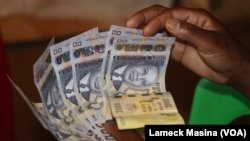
point(130, 73)
point(55, 97)
point(135, 75)
point(51, 96)
point(88, 81)
point(69, 91)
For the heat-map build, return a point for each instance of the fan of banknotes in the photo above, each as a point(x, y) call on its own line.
point(95, 77)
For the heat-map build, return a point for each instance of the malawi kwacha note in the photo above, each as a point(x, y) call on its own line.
point(61, 61)
point(87, 58)
point(42, 63)
point(138, 64)
point(135, 111)
point(113, 32)
point(53, 103)
point(56, 129)
point(59, 131)
point(45, 80)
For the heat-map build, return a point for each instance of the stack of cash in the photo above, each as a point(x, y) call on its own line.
point(95, 77)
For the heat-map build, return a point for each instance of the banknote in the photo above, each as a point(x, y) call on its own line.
point(66, 111)
point(113, 32)
point(138, 64)
point(48, 89)
point(87, 57)
point(59, 131)
point(135, 77)
point(42, 63)
point(135, 111)
point(56, 129)
point(62, 64)
point(42, 70)
point(60, 56)
point(96, 76)
point(54, 105)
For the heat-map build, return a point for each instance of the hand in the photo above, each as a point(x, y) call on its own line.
point(122, 135)
point(203, 44)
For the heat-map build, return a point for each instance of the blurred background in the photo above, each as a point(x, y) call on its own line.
point(28, 25)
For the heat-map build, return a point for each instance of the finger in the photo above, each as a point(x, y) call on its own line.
point(193, 35)
point(157, 24)
point(197, 17)
point(112, 129)
point(143, 16)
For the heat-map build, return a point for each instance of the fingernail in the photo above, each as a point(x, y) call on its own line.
point(130, 23)
point(173, 24)
point(110, 121)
